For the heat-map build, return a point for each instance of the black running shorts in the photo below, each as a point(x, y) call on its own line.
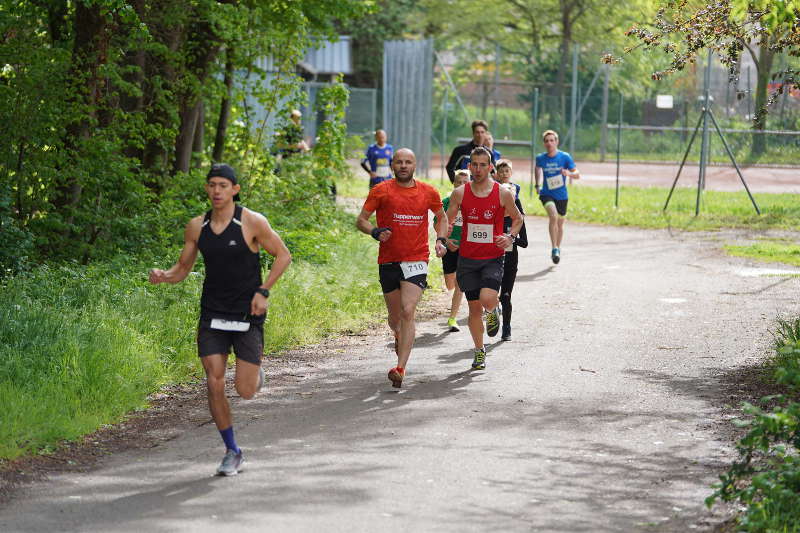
point(390, 275)
point(561, 205)
point(476, 274)
point(450, 262)
point(248, 345)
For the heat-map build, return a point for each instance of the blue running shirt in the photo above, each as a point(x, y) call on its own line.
point(553, 183)
point(380, 160)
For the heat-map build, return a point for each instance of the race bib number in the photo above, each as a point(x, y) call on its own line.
point(383, 171)
point(413, 268)
point(458, 221)
point(480, 233)
point(555, 182)
point(229, 325)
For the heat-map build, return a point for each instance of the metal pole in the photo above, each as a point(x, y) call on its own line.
point(683, 161)
point(604, 115)
point(749, 102)
point(619, 149)
point(733, 160)
point(444, 131)
point(534, 127)
point(704, 148)
point(573, 97)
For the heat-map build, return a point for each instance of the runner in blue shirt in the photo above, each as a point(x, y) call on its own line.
point(378, 160)
point(552, 170)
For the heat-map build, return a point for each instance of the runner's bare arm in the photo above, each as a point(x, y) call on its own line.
point(537, 173)
point(188, 256)
point(365, 226)
point(272, 243)
point(572, 173)
point(443, 229)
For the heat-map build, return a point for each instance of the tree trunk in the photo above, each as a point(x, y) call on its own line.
point(765, 59)
point(89, 53)
point(185, 140)
point(199, 143)
point(224, 111)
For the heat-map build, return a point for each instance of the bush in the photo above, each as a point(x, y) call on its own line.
point(16, 246)
point(766, 478)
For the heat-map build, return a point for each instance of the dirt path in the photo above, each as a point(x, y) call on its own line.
point(606, 412)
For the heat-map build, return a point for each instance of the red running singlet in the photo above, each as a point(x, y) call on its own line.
point(483, 221)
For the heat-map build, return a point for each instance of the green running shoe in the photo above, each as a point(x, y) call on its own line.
point(479, 362)
point(492, 322)
point(451, 322)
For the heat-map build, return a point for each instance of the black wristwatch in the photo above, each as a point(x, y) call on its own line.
point(443, 240)
point(263, 292)
point(513, 237)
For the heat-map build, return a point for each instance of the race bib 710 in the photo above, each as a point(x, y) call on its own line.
point(413, 268)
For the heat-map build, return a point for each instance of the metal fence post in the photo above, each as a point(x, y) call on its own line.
point(604, 115)
point(573, 98)
point(619, 147)
point(534, 127)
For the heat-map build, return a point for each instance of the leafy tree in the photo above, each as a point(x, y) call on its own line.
point(762, 28)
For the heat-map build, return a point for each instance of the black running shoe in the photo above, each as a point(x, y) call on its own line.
point(506, 335)
point(556, 255)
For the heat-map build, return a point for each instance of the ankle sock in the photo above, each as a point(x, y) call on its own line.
point(230, 441)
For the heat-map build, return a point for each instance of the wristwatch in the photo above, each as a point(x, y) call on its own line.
point(263, 292)
point(513, 237)
point(442, 240)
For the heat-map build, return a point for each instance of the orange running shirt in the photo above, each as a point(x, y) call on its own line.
point(405, 211)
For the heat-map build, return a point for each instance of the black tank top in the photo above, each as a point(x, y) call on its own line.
point(233, 272)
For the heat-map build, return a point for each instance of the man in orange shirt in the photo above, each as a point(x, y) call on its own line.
point(401, 208)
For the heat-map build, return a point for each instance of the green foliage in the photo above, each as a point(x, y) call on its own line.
point(771, 251)
point(16, 245)
point(766, 477)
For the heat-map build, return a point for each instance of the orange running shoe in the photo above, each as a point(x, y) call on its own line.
point(396, 376)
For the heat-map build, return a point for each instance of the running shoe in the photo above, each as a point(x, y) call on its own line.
point(506, 335)
point(453, 325)
point(555, 255)
point(492, 322)
point(479, 362)
point(231, 464)
point(396, 376)
point(261, 379)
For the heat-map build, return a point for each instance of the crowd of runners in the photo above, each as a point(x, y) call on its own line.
point(479, 229)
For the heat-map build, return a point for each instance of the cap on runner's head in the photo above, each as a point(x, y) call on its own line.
point(221, 170)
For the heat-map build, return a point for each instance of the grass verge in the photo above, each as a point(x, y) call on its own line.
point(80, 346)
point(769, 251)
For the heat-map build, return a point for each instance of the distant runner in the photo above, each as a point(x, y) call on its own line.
point(401, 208)
point(378, 160)
point(552, 169)
point(450, 259)
point(511, 259)
point(483, 205)
point(234, 302)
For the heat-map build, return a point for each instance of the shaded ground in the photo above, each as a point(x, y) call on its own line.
point(608, 411)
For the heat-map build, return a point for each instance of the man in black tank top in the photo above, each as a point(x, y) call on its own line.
point(234, 302)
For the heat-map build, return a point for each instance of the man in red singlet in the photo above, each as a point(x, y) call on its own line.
point(401, 206)
point(483, 204)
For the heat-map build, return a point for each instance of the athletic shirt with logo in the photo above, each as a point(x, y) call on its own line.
point(483, 221)
point(380, 160)
point(404, 210)
point(233, 272)
point(554, 184)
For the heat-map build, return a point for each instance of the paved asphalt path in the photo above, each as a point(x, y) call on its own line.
point(604, 413)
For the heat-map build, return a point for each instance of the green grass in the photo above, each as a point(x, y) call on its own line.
point(643, 207)
point(82, 346)
point(769, 251)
